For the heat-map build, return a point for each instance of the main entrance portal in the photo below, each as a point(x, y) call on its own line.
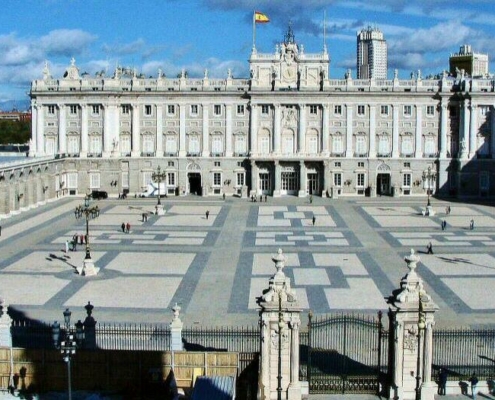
point(194, 179)
point(383, 185)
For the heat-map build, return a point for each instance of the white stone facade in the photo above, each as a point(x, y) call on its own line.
point(286, 130)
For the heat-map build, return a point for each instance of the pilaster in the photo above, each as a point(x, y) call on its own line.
point(62, 129)
point(395, 131)
point(206, 132)
point(443, 128)
point(348, 139)
point(473, 131)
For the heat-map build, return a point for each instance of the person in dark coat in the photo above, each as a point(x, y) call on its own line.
point(442, 382)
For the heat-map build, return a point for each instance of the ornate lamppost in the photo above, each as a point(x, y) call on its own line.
point(421, 328)
point(159, 177)
point(88, 268)
point(429, 177)
point(68, 345)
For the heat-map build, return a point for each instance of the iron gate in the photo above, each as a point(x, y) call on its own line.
point(346, 353)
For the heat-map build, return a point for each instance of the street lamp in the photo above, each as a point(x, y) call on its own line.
point(67, 345)
point(88, 267)
point(421, 327)
point(159, 177)
point(428, 177)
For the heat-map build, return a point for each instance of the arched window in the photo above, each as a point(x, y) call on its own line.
point(337, 144)
point(384, 145)
point(407, 145)
point(430, 145)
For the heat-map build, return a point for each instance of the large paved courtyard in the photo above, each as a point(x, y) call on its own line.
point(214, 268)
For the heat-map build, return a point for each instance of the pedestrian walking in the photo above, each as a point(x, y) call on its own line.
point(471, 225)
point(429, 248)
point(0, 230)
point(444, 224)
point(448, 210)
point(66, 246)
point(223, 196)
point(81, 239)
point(314, 220)
point(207, 214)
point(474, 385)
point(123, 227)
point(128, 227)
point(442, 382)
point(311, 199)
point(266, 198)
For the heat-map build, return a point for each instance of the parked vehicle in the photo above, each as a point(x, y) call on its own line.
point(99, 194)
point(152, 190)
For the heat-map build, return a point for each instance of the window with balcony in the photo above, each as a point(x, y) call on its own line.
point(217, 179)
point(337, 179)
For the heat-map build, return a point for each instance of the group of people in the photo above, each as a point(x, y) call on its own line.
point(76, 239)
point(442, 383)
point(254, 198)
point(94, 212)
point(126, 228)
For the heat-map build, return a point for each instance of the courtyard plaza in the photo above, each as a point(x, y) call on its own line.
point(350, 260)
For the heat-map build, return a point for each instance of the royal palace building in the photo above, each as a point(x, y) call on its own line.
point(288, 129)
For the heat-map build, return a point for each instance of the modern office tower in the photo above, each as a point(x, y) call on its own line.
point(474, 64)
point(371, 54)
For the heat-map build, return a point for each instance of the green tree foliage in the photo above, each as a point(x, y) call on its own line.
point(14, 131)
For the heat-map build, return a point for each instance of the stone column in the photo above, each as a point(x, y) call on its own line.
point(40, 134)
point(348, 138)
point(176, 330)
point(303, 177)
point(254, 178)
point(62, 129)
point(33, 150)
point(326, 129)
point(228, 130)
point(276, 129)
point(444, 110)
point(411, 320)
point(84, 131)
point(418, 150)
point(277, 184)
point(492, 131)
point(136, 131)
point(182, 131)
point(253, 130)
point(473, 130)
point(464, 131)
point(159, 130)
point(5, 325)
point(327, 179)
point(301, 145)
point(372, 152)
point(206, 132)
point(395, 131)
point(280, 320)
point(107, 131)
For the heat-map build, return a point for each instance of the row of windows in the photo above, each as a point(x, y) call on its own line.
point(217, 109)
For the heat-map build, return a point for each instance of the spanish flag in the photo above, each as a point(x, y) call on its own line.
point(260, 18)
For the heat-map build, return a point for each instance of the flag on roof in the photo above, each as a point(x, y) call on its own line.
point(260, 18)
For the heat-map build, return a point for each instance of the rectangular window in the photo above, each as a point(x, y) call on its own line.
point(171, 109)
point(171, 163)
point(361, 110)
point(313, 109)
point(360, 179)
point(338, 164)
point(194, 109)
point(73, 110)
point(217, 110)
point(265, 109)
point(361, 145)
point(125, 179)
point(407, 165)
point(240, 109)
point(217, 164)
point(240, 178)
point(95, 109)
point(216, 145)
point(408, 111)
point(72, 180)
point(147, 110)
point(430, 110)
point(337, 110)
point(51, 110)
point(384, 110)
point(94, 180)
point(337, 179)
point(406, 180)
point(360, 164)
point(126, 109)
point(217, 179)
point(170, 178)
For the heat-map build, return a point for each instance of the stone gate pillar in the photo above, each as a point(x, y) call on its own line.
point(280, 321)
point(411, 313)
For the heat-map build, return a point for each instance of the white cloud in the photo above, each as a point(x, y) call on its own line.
point(65, 42)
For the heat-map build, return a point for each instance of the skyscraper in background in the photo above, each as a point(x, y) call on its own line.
point(371, 54)
point(474, 64)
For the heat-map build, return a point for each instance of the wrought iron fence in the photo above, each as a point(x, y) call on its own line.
point(31, 335)
point(464, 351)
point(146, 337)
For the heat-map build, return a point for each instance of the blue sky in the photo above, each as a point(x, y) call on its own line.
point(217, 34)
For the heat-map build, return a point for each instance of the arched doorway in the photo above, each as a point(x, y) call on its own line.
point(194, 180)
point(383, 180)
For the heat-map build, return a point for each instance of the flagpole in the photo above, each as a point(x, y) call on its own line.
point(254, 30)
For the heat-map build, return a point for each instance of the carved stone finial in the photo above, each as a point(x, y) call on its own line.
point(279, 261)
point(176, 310)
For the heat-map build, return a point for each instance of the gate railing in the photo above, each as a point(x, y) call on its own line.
point(345, 353)
point(464, 351)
